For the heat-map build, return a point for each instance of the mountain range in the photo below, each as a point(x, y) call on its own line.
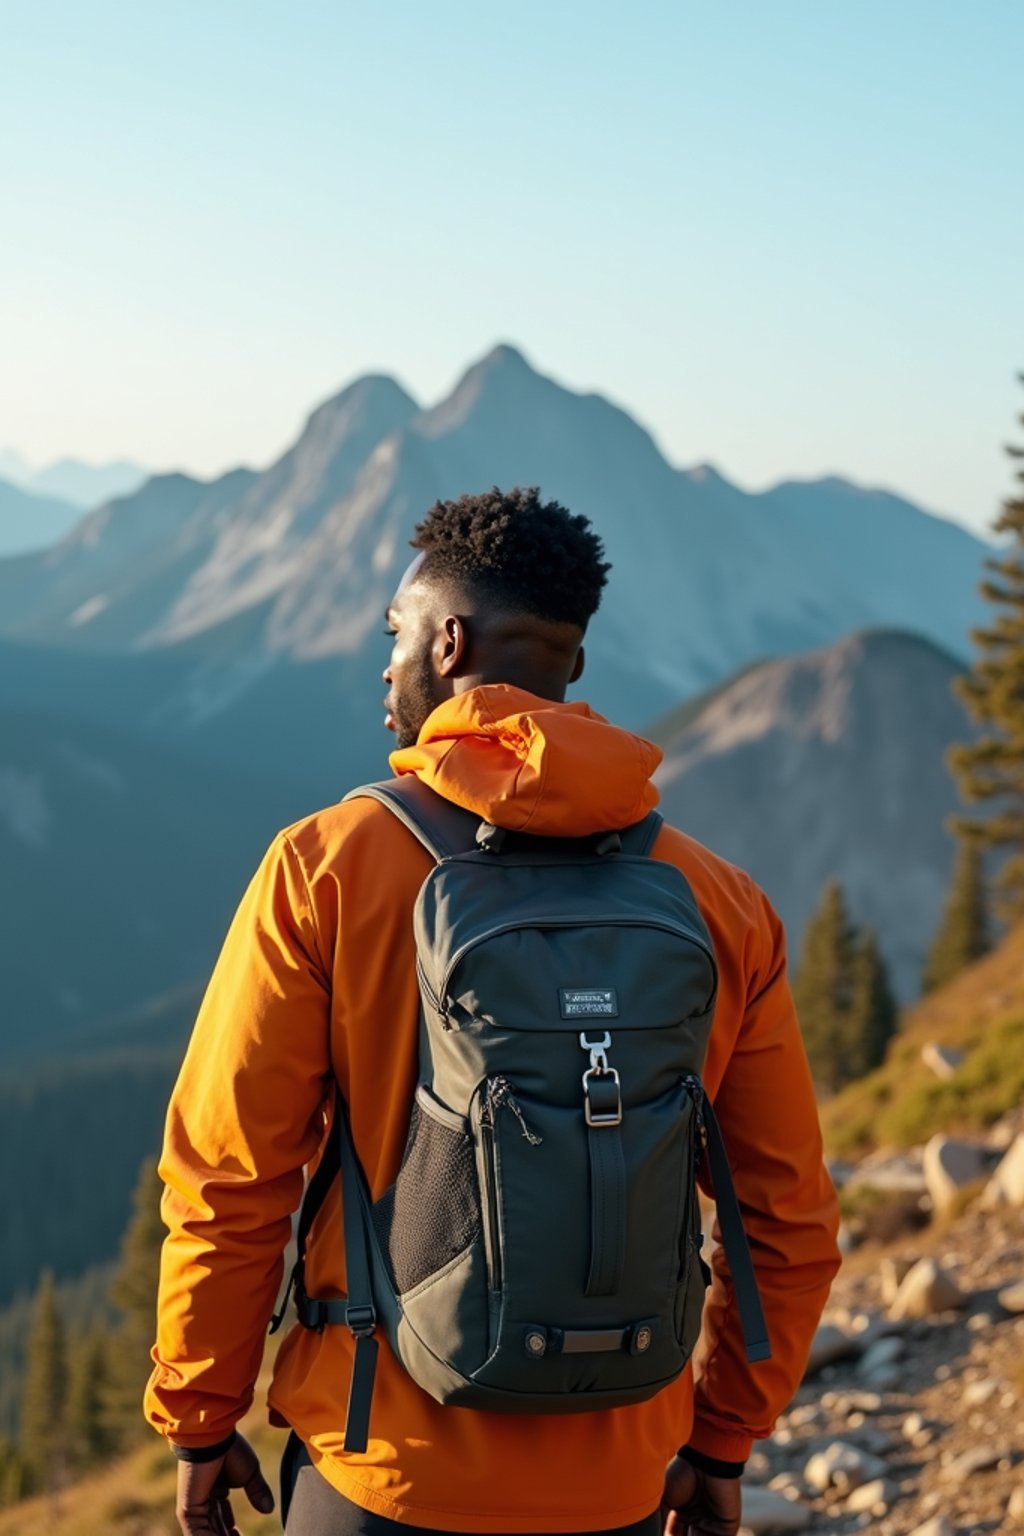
point(72, 480)
point(220, 639)
point(252, 581)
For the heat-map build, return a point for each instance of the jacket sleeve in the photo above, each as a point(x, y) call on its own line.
point(244, 1118)
point(766, 1107)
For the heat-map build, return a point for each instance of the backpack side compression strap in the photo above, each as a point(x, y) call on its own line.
point(356, 1310)
point(734, 1241)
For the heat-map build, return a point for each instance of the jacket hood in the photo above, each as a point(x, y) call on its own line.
point(533, 765)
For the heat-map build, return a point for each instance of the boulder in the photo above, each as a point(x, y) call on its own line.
point(1006, 1186)
point(939, 1526)
point(1015, 1508)
point(896, 1171)
point(843, 1466)
point(943, 1060)
point(830, 1344)
point(872, 1498)
point(926, 1290)
point(951, 1166)
point(1011, 1297)
point(765, 1511)
point(880, 1355)
point(978, 1393)
point(981, 1459)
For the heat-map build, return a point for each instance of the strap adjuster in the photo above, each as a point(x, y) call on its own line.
point(361, 1318)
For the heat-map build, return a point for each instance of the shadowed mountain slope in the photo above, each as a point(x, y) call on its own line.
point(830, 763)
point(120, 866)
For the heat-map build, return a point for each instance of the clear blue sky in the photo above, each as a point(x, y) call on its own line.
point(789, 237)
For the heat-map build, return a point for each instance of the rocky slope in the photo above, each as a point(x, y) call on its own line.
point(913, 1409)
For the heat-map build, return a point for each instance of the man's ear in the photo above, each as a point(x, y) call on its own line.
point(578, 665)
point(450, 646)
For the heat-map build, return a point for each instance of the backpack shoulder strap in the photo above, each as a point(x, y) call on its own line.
point(443, 828)
point(641, 837)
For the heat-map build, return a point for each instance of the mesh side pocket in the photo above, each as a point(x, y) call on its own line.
point(432, 1211)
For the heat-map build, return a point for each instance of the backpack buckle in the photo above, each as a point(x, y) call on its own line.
point(602, 1097)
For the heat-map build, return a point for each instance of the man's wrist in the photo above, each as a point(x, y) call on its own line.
point(201, 1453)
point(710, 1464)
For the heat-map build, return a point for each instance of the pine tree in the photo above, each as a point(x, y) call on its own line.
point(43, 1450)
point(89, 1433)
point(873, 1012)
point(991, 769)
point(134, 1294)
point(963, 933)
point(822, 990)
point(13, 1482)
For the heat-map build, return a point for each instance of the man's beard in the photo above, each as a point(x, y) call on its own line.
point(416, 702)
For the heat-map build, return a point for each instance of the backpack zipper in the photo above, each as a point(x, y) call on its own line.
point(695, 1088)
point(497, 1094)
point(584, 921)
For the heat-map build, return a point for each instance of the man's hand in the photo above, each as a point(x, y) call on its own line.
point(698, 1504)
point(203, 1488)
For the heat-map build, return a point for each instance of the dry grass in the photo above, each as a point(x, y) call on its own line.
point(134, 1496)
point(902, 1103)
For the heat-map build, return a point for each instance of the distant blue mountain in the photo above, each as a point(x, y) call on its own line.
point(30, 522)
point(88, 485)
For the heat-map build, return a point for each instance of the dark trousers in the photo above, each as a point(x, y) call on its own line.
point(310, 1506)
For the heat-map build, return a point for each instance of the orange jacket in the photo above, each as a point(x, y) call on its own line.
point(316, 980)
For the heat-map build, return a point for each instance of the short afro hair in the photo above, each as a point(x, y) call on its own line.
point(523, 554)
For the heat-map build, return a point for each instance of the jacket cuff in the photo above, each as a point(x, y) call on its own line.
point(719, 1442)
point(709, 1464)
point(201, 1453)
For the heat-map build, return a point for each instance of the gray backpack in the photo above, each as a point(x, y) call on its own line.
point(539, 1251)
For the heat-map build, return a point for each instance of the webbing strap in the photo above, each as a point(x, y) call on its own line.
point(446, 829)
point(356, 1310)
point(641, 837)
point(360, 1313)
point(316, 1193)
point(734, 1240)
point(607, 1209)
point(443, 828)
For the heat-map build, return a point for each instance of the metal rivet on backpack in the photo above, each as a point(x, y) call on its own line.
point(643, 1339)
point(536, 1343)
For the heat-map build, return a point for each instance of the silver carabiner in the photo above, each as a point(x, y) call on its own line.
point(597, 1049)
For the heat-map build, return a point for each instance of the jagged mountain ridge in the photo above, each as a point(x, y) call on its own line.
point(830, 763)
point(295, 565)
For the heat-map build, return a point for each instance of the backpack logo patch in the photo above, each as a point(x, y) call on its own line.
point(588, 1002)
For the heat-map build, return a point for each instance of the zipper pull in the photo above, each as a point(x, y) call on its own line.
point(499, 1093)
point(695, 1088)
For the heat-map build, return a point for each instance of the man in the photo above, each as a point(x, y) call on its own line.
point(316, 984)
